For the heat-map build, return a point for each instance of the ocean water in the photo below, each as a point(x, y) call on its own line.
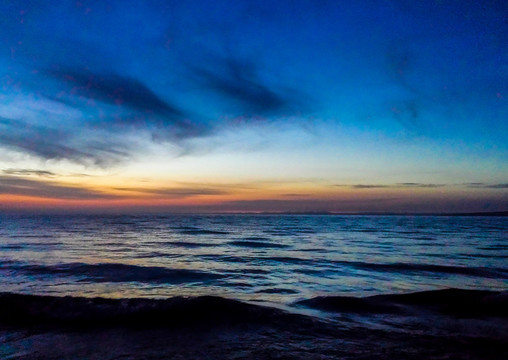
point(267, 258)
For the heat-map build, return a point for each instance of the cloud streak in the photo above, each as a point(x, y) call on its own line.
point(141, 106)
point(240, 84)
point(398, 185)
point(175, 193)
point(420, 185)
point(115, 90)
point(28, 172)
point(13, 185)
point(479, 185)
point(367, 186)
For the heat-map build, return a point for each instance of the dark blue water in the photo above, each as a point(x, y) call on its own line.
point(274, 258)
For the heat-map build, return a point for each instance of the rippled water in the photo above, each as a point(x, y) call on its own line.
point(278, 258)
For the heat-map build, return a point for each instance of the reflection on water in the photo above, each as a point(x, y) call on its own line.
point(278, 258)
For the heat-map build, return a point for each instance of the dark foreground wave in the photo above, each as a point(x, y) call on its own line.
point(457, 302)
point(107, 272)
point(18, 309)
point(48, 327)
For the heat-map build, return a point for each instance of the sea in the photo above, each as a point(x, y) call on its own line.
point(277, 259)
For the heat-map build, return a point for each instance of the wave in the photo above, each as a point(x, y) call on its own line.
point(202, 232)
point(289, 260)
point(13, 247)
point(367, 230)
point(458, 302)
point(256, 244)
point(19, 310)
point(256, 238)
point(27, 245)
point(28, 236)
point(495, 273)
point(277, 291)
point(495, 247)
point(190, 245)
point(405, 268)
point(116, 273)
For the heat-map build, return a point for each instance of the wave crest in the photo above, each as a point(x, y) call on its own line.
point(458, 302)
point(107, 272)
point(18, 310)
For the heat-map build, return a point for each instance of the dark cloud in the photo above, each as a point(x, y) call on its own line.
point(240, 82)
point(25, 172)
point(116, 90)
point(139, 107)
point(57, 61)
point(14, 185)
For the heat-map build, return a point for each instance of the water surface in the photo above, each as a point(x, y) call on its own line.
point(276, 258)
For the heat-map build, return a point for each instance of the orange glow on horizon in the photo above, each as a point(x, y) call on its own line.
point(268, 198)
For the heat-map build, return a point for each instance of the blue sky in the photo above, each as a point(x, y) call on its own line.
point(234, 105)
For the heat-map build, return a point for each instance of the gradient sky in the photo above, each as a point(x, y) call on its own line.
point(182, 106)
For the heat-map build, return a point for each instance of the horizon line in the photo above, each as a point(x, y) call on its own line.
point(316, 213)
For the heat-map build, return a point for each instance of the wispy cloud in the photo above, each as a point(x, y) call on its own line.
point(52, 143)
point(46, 142)
point(14, 185)
point(28, 172)
point(113, 105)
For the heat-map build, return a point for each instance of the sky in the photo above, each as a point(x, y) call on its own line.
point(254, 106)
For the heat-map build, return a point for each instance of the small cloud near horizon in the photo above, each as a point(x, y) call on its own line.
point(397, 185)
point(487, 186)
